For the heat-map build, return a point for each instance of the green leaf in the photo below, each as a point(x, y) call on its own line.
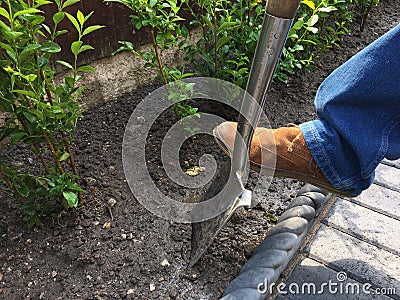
point(42, 2)
point(207, 21)
point(152, 3)
point(298, 24)
point(72, 19)
point(58, 17)
point(54, 190)
point(26, 12)
point(70, 81)
point(36, 19)
point(24, 191)
point(47, 28)
point(185, 31)
point(309, 3)
point(75, 47)
point(7, 47)
point(227, 25)
point(88, 16)
point(222, 41)
point(60, 32)
point(86, 69)
point(30, 117)
point(64, 156)
point(6, 132)
point(327, 9)
point(312, 29)
point(85, 47)
point(91, 29)
point(69, 2)
point(65, 64)
point(80, 17)
point(272, 218)
point(17, 136)
point(31, 77)
point(50, 47)
point(43, 61)
point(72, 198)
point(26, 93)
point(4, 13)
point(29, 48)
point(313, 20)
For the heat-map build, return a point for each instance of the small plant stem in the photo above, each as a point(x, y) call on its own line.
point(365, 15)
point(73, 164)
point(64, 136)
point(53, 151)
point(48, 141)
point(35, 144)
point(215, 35)
point(12, 186)
point(247, 16)
point(159, 62)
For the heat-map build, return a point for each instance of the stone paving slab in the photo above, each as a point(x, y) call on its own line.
point(360, 260)
point(388, 176)
point(313, 280)
point(359, 237)
point(365, 224)
point(381, 200)
point(394, 163)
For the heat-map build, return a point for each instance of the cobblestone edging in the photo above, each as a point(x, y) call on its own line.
point(272, 256)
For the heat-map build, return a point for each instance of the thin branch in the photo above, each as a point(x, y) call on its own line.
point(34, 143)
point(12, 186)
point(64, 136)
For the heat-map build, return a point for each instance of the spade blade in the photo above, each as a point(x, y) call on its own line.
point(203, 233)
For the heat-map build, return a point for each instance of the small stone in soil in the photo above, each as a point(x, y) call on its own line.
point(172, 292)
point(152, 287)
point(130, 292)
point(165, 263)
point(107, 225)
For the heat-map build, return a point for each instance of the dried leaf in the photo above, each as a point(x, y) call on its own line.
point(194, 171)
point(107, 225)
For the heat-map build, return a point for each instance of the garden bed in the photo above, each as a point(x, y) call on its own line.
point(125, 252)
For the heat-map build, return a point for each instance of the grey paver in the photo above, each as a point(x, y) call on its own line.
point(381, 199)
point(388, 176)
point(395, 163)
point(360, 260)
point(378, 229)
point(313, 280)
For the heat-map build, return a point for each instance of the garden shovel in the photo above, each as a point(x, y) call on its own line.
point(278, 18)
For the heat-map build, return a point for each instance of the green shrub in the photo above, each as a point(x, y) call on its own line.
point(38, 111)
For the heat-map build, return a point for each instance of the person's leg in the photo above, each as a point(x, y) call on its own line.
point(358, 107)
point(359, 124)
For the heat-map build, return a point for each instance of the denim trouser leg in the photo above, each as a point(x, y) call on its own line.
point(358, 107)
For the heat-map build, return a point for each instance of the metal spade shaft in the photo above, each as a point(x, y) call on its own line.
point(276, 24)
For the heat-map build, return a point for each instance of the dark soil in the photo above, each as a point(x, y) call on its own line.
point(78, 255)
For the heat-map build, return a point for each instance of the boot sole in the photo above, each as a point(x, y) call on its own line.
point(285, 173)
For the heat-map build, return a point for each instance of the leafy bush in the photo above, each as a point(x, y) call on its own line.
point(164, 21)
point(38, 111)
point(230, 31)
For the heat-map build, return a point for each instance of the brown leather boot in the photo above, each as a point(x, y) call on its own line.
point(286, 145)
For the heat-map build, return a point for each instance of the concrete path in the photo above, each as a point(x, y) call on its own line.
point(354, 252)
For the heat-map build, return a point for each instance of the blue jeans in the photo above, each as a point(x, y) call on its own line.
point(358, 107)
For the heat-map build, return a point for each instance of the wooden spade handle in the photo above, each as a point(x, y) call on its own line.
point(282, 8)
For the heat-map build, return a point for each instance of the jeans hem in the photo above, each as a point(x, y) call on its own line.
point(320, 154)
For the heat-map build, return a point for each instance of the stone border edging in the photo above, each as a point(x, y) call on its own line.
point(273, 255)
